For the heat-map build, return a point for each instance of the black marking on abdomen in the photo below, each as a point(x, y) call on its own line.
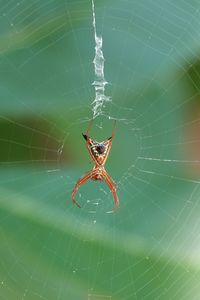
point(100, 148)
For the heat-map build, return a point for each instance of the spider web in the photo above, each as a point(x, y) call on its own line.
point(51, 249)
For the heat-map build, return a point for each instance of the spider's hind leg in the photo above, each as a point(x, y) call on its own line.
point(113, 187)
point(80, 182)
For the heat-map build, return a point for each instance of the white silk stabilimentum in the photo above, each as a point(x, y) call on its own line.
point(100, 81)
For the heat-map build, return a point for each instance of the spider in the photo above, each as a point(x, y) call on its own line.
point(99, 152)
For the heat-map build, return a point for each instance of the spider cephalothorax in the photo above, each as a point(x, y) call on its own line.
point(99, 152)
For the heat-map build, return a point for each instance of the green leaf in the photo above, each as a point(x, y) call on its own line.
point(48, 49)
point(50, 247)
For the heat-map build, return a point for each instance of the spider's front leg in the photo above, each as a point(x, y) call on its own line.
point(80, 182)
point(113, 187)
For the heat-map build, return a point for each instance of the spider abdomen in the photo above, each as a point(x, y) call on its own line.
point(98, 150)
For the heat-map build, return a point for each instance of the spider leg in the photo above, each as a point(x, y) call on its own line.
point(112, 186)
point(114, 128)
point(114, 131)
point(89, 126)
point(80, 182)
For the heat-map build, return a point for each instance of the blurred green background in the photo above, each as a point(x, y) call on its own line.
point(49, 248)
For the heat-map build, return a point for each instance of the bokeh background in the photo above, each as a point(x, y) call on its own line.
point(50, 249)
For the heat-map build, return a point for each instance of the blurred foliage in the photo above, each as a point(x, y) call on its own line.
point(50, 249)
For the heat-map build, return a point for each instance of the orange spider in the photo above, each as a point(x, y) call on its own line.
point(99, 152)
